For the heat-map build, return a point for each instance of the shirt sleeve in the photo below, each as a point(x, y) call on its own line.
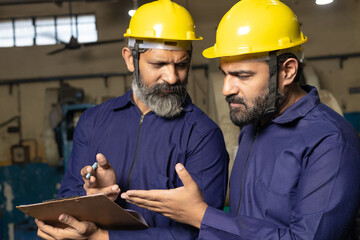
point(326, 205)
point(207, 163)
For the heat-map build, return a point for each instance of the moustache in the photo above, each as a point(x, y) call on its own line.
point(235, 99)
point(166, 88)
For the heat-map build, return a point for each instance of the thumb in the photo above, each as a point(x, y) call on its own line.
point(184, 175)
point(101, 159)
point(72, 222)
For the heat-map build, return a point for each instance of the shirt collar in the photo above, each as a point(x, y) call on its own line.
point(301, 108)
point(127, 100)
point(123, 101)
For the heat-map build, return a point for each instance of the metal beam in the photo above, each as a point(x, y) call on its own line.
point(341, 57)
point(78, 77)
point(22, 2)
point(61, 78)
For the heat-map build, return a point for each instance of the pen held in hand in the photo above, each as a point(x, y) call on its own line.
point(94, 166)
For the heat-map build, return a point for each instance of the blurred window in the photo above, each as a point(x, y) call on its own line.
point(50, 30)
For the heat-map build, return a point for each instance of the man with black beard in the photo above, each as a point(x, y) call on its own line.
point(138, 138)
point(296, 173)
point(242, 117)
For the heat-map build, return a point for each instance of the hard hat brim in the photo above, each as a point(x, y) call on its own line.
point(209, 52)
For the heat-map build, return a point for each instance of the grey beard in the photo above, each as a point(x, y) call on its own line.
point(167, 105)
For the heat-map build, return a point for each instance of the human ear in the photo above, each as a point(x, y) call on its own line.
point(126, 53)
point(288, 72)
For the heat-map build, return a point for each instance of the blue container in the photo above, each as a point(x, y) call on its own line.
point(26, 231)
point(354, 119)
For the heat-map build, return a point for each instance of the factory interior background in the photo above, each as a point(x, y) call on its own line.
point(43, 91)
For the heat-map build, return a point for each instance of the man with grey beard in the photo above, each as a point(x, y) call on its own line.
point(138, 138)
point(163, 99)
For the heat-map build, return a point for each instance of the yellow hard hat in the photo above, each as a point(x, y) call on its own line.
point(255, 26)
point(162, 19)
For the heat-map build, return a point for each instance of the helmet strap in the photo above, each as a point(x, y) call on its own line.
point(136, 57)
point(273, 85)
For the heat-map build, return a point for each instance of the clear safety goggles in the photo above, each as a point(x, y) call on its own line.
point(160, 44)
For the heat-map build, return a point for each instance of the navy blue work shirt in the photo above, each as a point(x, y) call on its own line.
point(144, 150)
point(296, 178)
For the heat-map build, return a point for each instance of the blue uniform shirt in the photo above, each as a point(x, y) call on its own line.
point(298, 177)
point(144, 150)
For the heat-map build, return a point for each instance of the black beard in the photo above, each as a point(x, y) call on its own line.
point(163, 99)
point(242, 117)
point(254, 114)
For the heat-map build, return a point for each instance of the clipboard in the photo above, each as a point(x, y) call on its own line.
point(96, 208)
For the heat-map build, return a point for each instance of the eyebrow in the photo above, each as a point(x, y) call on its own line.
point(236, 73)
point(159, 60)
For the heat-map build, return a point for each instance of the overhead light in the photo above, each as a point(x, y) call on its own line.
point(132, 12)
point(323, 2)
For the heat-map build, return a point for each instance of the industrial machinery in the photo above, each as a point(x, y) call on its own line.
point(72, 104)
point(71, 114)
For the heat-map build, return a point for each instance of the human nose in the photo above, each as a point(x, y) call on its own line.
point(229, 87)
point(171, 75)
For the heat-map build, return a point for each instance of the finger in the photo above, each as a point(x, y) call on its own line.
point(111, 190)
point(90, 183)
point(92, 180)
point(85, 170)
point(148, 204)
point(124, 195)
point(184, 175)
point(80, 227)
point(44, 235)
point(39, 223)
point(152, 195)
point(101, 159)
point(45, 231)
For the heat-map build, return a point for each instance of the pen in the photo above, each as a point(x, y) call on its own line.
point(94, 166)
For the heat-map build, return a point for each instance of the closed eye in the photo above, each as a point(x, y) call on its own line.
point(244, 77)
point(158, 64)
point(182, 64)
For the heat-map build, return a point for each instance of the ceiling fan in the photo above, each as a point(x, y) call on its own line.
point(74, 43)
